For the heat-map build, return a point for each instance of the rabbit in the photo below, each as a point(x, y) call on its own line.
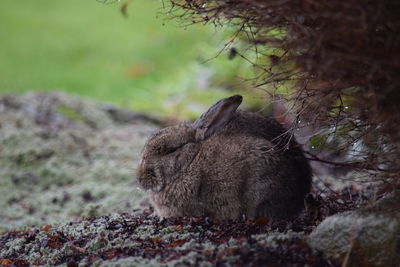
point(226, 165)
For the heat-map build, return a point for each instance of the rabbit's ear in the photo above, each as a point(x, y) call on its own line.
point(216, 117)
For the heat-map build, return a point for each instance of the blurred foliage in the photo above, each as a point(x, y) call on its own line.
point(126, 53)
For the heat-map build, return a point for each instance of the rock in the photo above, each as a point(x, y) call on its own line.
point(366, 237)
point(127, 116)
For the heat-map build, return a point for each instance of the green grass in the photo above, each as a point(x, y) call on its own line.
point(142, 61)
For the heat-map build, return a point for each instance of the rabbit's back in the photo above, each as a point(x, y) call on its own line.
point(244, 170)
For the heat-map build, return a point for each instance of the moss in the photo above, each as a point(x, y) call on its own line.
point(191, 259)
point(130, 261)
point(34, 256)
point(11, 247)
point(70, 113)
point(271, 237)
point(96, 244)
point(49, 159)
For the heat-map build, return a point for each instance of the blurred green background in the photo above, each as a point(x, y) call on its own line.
point(143, 61)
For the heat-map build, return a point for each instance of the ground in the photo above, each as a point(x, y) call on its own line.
point(68, 195)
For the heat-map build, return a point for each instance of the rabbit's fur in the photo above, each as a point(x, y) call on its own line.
point(225, 165)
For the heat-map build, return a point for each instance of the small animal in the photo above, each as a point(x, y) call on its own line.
point(225, 165)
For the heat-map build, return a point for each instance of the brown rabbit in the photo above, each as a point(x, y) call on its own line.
point(225, 165)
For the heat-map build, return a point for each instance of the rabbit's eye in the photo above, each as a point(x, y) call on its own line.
point(171, 150)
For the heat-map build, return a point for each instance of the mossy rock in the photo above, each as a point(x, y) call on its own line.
point(63, 157)
point(366, 237)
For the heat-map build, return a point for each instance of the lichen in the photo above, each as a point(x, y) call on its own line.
point(271, 237)
point(58, 168)
point(129, 261)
